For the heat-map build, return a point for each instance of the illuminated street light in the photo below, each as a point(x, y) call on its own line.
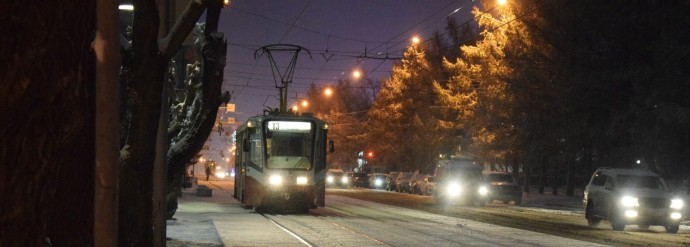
point(356, 74)
point(305, 103)
point(415, 40)
point(328, 92)
point(295, 108)
point(226, 2)
point(501, 2)
point(126, 7)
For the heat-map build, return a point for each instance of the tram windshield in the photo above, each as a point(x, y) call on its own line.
point(289, 145)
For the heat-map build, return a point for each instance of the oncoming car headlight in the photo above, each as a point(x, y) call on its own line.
point(378, 182)
point(629, 201)
point(677, 203)
point(453, 189)
point(344, 180)
point(275, 180)
point(483, 190)
point(302, 180)
point(329, 179)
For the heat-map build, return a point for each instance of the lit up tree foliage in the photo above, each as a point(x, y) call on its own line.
point(344, 111)
point(404, 124)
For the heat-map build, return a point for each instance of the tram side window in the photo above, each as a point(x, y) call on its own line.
point(256, 152)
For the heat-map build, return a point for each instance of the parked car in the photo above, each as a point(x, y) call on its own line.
point(631, 197)
point(360, 179)
point(503, 187)
point(402, 183)
point(337, 178)
point(390, 181)
point(426, 185)
point(414, 183)
point(377, 181)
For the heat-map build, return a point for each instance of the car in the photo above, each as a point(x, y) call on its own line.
point(360, 179)
point(390, 181)
point(460, 180)
point(402, 182)
point(426, 185)
point(377, 181)
point(415, 182)
point(503, 187)
point(337, 178)
point(625, 196)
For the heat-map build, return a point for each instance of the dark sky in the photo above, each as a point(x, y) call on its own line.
point(335, 31)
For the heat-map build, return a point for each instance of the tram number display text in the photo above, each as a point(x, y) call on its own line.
point(288, 126)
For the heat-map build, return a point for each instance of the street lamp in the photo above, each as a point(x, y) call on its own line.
point(126, 7)
point(415, 40)
point(305, 103)
point(501, 2)
point(328, 92)
point(356, 74)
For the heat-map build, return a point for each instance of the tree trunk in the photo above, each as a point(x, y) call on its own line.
point(107, 49)
point(148, 67)
point(542, 173)
point(47, 123)
point(570, 185)
point(213, 50)
point(556, 178)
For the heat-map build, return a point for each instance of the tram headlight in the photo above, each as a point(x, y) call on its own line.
point(275, 180)
point(301, 180)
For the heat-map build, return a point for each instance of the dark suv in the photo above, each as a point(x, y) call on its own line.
point(631, 197)
point(360, 179)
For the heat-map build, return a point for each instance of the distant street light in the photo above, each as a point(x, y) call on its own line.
point(328, 92)
point(305, 103)
point(356, 74)
point(295, 108)
point(415, 40)
point(502, 2)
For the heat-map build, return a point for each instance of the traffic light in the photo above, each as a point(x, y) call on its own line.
point(370, 154)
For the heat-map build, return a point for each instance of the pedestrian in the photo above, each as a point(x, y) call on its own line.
point(208, 172)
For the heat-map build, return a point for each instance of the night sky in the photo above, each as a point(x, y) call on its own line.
point(336, 32)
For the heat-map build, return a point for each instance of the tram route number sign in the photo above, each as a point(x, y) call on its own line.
point(288, 126)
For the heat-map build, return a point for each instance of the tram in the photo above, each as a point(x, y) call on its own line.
point(281, 162)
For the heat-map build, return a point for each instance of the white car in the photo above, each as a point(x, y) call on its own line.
point(426, 185)
point(631, 197)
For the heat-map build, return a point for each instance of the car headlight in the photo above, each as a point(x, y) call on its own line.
point(677, 203)
point(483, 190)
point(275, 180)
point(221, 175)
point(302, 180)
point(453, 189)
point(378, 182)
point(629, 201)
point(344, 180)
point(329, 179)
